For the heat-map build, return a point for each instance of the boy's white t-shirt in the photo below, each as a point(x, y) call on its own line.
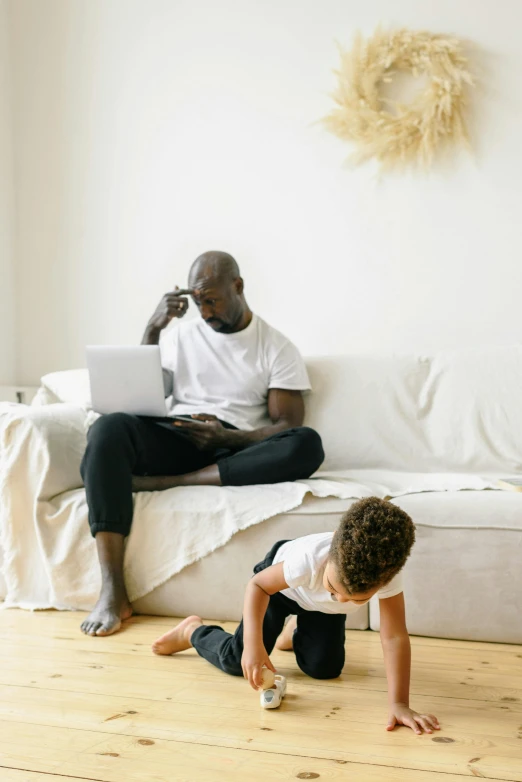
point(304, 561)
point(229, 375)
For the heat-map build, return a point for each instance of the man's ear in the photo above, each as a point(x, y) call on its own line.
point(239, 286)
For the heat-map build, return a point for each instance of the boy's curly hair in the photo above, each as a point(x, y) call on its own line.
point(371, 544)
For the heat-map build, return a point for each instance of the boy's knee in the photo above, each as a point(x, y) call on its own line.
point(323, 665)
point(232, 667)
point(322, 671)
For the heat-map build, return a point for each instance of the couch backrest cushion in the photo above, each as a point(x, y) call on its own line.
point(457, 411)
point(471, 409)
point(365, 409)
point(70, 386)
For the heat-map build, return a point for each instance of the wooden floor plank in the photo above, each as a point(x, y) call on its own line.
point(366, 662)
point(214, 692)
point(15, 657)
point(474, 684)
point(122, 757)
point(216, 764)
point(75, 695)
point(67, 623)
point(435, 684)
point(291, 731)
point(21, 775)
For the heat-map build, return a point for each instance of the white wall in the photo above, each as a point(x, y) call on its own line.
point(7, 290)
point(151, 130)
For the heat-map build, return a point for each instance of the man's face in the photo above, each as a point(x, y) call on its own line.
point(220, 304)
point(332, 584)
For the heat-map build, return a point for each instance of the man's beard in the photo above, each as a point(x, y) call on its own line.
point(219, 325)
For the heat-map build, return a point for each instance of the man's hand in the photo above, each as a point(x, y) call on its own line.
point(253, 661)
point(172, 305)
point(206, 432)
point(400, 714)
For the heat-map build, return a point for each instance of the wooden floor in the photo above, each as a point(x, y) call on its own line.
point(73, 707)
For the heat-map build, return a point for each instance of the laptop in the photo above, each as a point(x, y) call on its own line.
point(126, 379)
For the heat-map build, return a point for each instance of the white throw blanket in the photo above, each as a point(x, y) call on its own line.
point(49, 557)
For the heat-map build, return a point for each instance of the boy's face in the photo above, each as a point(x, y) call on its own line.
point(332, 584)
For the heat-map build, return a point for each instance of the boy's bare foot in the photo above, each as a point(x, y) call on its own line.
point(177, 639)
point(108, 614)
point(285, 642)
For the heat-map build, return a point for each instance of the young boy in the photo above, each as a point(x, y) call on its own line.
point(319, 579)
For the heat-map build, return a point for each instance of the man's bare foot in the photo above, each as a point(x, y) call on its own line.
point(107, 616)
point(177, 639)
point(285, 642)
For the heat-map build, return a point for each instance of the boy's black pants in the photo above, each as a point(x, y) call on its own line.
point(121, 445)
point(318, 640)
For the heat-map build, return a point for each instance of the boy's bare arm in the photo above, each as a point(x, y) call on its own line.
point(257, 596)
point(397, 660)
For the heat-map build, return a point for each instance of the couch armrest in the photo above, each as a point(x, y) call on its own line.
point(42, 448)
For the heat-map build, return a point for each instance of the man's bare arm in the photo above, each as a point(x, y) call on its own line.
point(286, 411)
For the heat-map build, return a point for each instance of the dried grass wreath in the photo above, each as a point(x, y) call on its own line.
point(414, 133)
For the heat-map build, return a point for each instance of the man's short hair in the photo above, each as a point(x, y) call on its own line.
point(371, 544)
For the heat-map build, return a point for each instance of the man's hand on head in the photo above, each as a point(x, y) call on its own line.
point(206, 432)
point(173, 305)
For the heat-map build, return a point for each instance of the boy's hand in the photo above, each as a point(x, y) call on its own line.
point(400, 714)
point(252, 662)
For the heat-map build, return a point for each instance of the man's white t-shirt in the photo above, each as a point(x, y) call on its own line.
point(229, 375)
point(304, 562)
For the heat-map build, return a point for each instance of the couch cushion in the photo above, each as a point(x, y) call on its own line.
point(463, 578)
point(70, 386)
point(365, 409)
point(230, 568)
point(456, 412)
point(470, 410)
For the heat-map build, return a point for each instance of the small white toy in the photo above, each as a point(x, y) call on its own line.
point(274, 690)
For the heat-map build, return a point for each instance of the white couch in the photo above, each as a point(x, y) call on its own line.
point(420, 425)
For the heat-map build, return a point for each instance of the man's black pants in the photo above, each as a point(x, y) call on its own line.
point(318, 639)
point(120, 446)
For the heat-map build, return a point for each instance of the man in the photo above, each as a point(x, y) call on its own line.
point(238, 381)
